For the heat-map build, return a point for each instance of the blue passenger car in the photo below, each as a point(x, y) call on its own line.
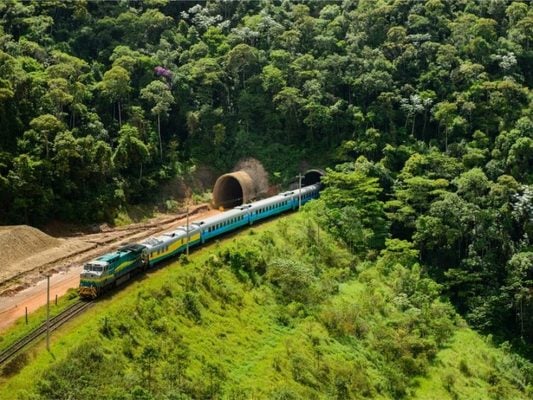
point(220, 224)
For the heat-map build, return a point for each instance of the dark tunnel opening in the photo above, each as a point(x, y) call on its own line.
point(228, 192)
point(311, 177)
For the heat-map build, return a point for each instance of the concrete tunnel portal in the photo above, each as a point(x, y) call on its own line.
point(236, 188)
point(233, 189)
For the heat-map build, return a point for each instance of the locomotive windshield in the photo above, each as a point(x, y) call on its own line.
point(93, 268)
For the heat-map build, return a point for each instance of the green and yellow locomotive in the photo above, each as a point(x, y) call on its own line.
point(111, 269)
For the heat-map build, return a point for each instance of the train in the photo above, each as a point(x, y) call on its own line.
point(112, 269)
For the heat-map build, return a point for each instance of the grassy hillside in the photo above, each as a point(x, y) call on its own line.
point(279, 311)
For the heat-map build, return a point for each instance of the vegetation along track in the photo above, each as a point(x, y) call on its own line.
point(55, 322)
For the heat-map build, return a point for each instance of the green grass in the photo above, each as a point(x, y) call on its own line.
point(134, 214)
point(472, 368)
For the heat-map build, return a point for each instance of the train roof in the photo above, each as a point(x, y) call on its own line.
point(109, 256)
point(182, 230)
point(125, 249)
point(270, 200)
point(219, 217)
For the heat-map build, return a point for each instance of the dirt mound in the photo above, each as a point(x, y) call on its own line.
point(22, 241)
point(257, 172)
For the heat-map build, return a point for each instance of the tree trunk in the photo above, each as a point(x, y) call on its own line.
point(46, 145)
point(425, 122)
point(119, 116)
point(159, 133)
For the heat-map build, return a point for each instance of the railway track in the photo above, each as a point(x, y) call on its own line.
point(55, 322)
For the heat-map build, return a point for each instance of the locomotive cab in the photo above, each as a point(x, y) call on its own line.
point(94, 268)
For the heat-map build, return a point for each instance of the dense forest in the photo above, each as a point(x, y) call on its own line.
point(102, 101)
point(424, 107)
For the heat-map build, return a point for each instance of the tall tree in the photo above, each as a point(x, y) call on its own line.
point(158, 94)
point(116, 87)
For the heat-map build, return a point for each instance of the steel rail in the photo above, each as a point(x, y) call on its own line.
point(55, 322)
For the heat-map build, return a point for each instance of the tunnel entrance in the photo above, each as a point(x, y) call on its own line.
point(312, 176)
point(233, 189)
point(229, 193)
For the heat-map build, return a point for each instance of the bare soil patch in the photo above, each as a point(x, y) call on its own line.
point(20, 241)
